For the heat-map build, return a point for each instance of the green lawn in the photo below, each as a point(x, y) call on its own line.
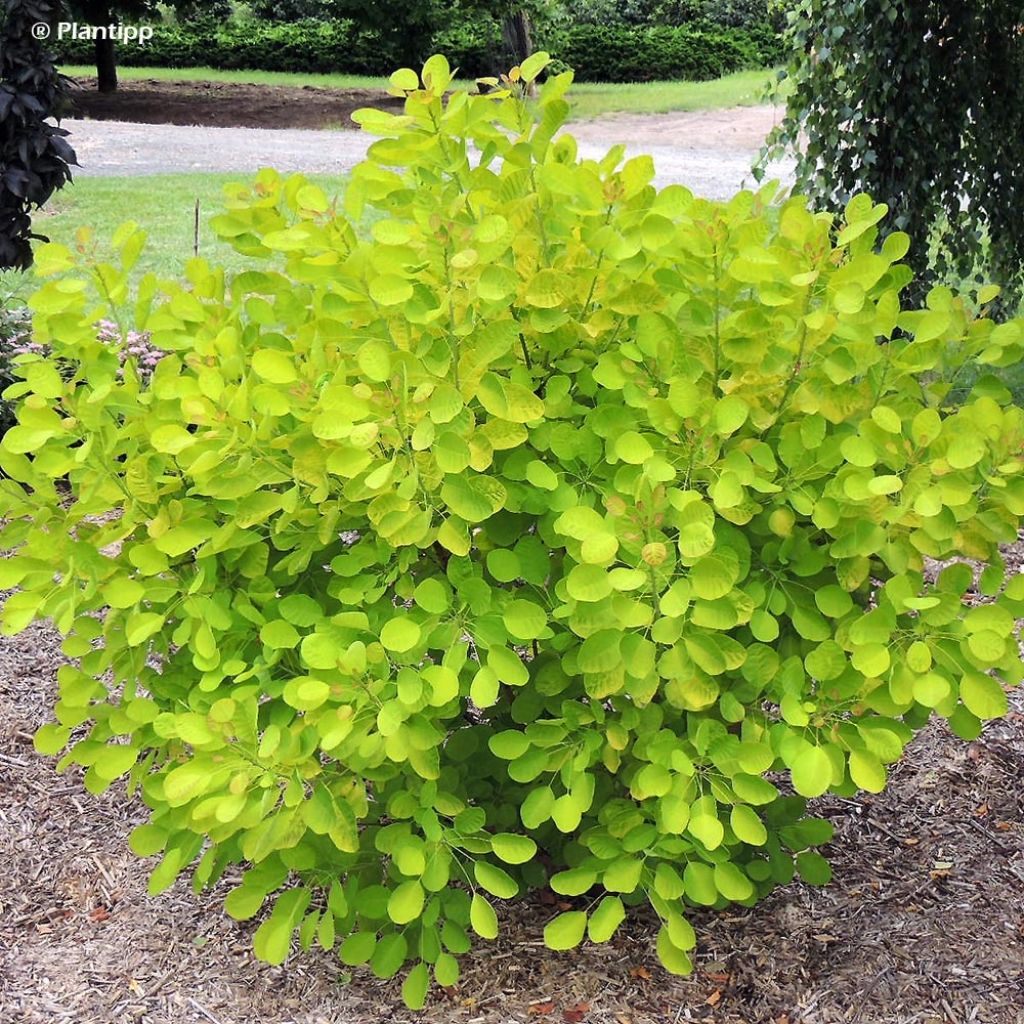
point(214, 75)
point(163, 204)
point(741, 89)
point(588, 99)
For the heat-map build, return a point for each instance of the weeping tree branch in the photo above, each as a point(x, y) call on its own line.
point(921, 104)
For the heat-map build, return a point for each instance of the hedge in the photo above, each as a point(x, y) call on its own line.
point(304, 46)
point(612, 54)
point(597, 53)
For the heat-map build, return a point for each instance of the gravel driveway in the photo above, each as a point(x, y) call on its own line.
point(712, 153)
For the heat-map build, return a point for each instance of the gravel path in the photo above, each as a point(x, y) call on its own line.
point(712, 155)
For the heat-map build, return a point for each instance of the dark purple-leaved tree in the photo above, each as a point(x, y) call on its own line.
point(35, 158)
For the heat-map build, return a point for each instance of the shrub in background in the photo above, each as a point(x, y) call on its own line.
point(617, 54)
point(720, 13)
point(525, 540)
point(303, 46)
point(612, 53)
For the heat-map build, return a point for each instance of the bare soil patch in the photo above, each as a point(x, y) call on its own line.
point(225, 104)
point(923, 922)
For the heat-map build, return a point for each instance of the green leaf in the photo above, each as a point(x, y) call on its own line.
point(509, 745)
point(414, 988)
point(244, 902)
point(482, 917)
point(681, 932)
point(633, 448)
point(867, 771)
point(747, 825)
point(537, 807)
point(811, 772)
point(400, 635)
point(541, 476)
point(699, 882)
point(432, 596)
point(525, 620)
point(141, 626)
point(983, 696)
point(566, 930)
point(274, 366)
point(601, 652)
point(171, 438)
point(931, 689)
point(534, 65)
point(731, 882)
point(497, 882)
point(622, 875)
point(473, 498)
point(279, 635)
point(512, 848)
point(588, 583)
point(305, 693)
point(673, 959)
point(272, 940)
point(405, 79)
point(833, 601)
point(390, 289)
point(605, 919)
point(446, 970)
point(707, 828)
point(319, 651)
point(389, 955)
point(358, 948)
point(813, 868)
point(406, 902)
point(574, 882)
point(965, 450)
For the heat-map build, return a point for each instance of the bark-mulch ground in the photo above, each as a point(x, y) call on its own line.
point(923, 922)
point(225, 104)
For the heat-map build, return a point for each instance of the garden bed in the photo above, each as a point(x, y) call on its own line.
point(922, 923)
point(225, 104)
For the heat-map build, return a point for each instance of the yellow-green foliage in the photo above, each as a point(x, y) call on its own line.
point(513, 544)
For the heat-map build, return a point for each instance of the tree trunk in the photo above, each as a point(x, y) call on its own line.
point(106, 68)
point(99, 16)
point(515, 27)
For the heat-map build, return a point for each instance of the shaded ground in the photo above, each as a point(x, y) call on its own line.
point(922, 924)
point(225, 104)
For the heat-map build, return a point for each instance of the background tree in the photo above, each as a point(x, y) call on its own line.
point(409, 27)
point(107, 13)
point(34, 156)
point(921, 104)
point(104, 13)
